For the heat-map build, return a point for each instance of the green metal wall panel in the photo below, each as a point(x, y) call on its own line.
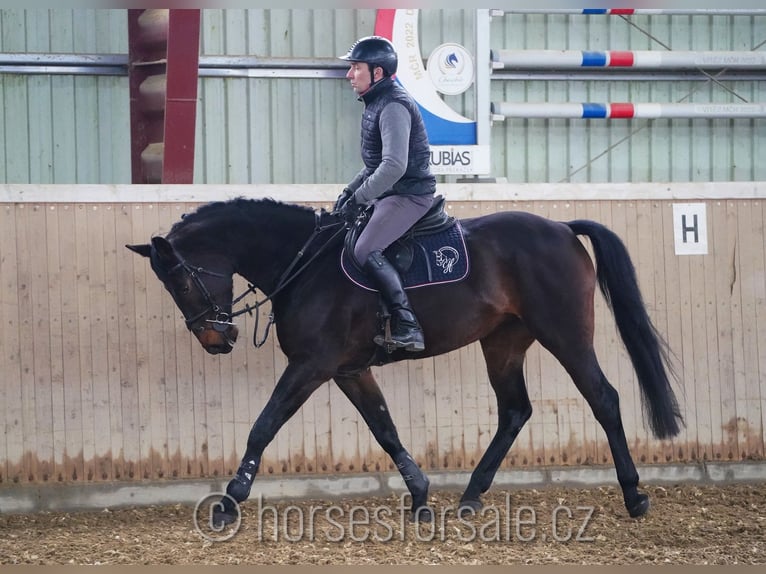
point(66, 129)
point(62, 128)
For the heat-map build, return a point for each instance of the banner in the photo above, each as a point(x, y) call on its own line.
point(454, 148)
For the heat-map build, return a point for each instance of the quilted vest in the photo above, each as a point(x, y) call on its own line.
point(417, 179)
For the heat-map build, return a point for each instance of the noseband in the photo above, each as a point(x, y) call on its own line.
point(222, 319)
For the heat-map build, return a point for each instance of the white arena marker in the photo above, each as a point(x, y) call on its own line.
point(690, 228)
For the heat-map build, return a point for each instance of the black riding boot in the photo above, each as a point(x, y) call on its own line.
point(405, 330)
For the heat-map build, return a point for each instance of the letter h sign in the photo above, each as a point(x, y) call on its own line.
point(690, 228)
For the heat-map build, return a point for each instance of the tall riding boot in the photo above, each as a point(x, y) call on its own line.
point(405, 330)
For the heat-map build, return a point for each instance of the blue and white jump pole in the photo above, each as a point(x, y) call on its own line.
point(636, 59)
point(624, 110)
point(572, 59)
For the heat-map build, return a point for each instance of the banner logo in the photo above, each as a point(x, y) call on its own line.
point(450, 67)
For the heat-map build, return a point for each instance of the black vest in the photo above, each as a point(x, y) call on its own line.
point(417, 179)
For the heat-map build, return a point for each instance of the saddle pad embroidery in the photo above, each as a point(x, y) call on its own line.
point(438, 258)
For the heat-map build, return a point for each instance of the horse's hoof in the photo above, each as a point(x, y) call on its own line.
point(422, 514)
point(469, 508)
point(640, 507)
point(222, 519)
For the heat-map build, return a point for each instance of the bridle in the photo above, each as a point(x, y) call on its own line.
point(223, 319)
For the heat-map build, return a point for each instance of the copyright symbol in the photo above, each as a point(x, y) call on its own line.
point(212, 519)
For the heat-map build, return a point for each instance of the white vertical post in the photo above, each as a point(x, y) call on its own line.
point(483, 70)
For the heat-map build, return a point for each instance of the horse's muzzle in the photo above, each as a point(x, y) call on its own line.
point(217, 342)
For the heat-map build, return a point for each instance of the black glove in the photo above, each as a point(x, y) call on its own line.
point(342, 199)
point(350, 210)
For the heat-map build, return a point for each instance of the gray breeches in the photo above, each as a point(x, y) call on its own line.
point(391, 218)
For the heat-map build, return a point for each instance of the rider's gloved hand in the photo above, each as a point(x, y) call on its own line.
point(342, 199)
point(350, 209)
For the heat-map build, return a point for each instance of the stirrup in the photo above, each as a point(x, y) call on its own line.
point(391, 344)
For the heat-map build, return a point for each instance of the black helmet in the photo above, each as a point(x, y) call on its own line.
point(376, 51)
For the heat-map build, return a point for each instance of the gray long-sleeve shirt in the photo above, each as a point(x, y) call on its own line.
point(395, 125)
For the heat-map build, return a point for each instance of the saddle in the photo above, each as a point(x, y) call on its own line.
point(401, 253)
point(432, 251)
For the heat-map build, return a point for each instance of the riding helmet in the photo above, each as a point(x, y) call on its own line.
point(376, 51)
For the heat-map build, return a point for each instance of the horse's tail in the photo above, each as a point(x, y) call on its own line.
point(648, 351)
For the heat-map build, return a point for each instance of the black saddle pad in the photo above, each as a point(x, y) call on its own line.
point(437, 258)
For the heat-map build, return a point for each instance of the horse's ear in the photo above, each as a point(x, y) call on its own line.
point(144, 249)
point(165, 250)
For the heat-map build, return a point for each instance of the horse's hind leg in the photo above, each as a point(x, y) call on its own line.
point(570, 341)
point(504, 350)
point(364, 393)
point(604, 401)
point(579, 359)
point(564, 323)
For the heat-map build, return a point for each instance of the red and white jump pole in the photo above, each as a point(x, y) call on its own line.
point(637, 59)
point(589, 110)
point(634, 11)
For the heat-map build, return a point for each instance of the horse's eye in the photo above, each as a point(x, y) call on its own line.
point(185, 290)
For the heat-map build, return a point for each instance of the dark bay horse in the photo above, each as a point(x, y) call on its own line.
point(531, 279)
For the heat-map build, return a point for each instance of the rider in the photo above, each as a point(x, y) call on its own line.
point(396, 177)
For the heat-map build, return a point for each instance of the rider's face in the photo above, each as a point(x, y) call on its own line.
point(360, 78)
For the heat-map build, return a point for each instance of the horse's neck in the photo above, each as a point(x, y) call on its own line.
point(264, 251)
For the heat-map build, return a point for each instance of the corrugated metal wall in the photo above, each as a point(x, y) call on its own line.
point(279, 130)
point(75, 130)
point(630, 150)
point(102, 381)
point(64, 129)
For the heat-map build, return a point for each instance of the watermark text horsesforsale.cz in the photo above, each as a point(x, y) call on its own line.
point(383, 523)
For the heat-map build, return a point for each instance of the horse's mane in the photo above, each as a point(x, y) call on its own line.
point(266, 209)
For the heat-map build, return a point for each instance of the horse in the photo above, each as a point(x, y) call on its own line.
point(531, 279)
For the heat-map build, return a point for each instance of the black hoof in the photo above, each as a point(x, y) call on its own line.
point(639, 507)
point(422, 514)
point(469, 508)
point(222, 519)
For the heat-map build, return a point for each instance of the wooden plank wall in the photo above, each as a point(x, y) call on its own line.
point(101, 381)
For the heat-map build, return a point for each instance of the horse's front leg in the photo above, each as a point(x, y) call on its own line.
point(364, 393)
point(295, 386)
